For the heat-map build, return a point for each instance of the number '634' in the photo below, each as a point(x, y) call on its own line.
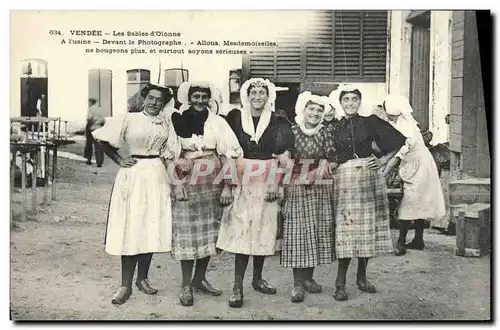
point(55, 32)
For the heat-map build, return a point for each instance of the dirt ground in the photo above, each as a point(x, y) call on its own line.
point(59, 271)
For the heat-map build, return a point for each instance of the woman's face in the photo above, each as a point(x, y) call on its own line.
point(258, 97)
point(199, 100)
point(330, 114)
point(154, 102)
point(350, 102)
point(313, 114)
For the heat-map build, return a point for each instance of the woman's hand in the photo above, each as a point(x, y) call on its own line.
point(180, 193)
point(127, 162)
point(375, 163)
point(272, 192)
point(182, 167)
point(331, 168)
point(284, 160)
point(390, 165)
point(282, 193)
point(226, 197)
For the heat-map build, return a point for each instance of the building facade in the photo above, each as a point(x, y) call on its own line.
point(435, 61)
point(330, 48)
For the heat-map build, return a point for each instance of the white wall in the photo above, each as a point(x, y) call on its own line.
point(440, 75)
point(68, 65)
point(440, 67)
point(400, 53)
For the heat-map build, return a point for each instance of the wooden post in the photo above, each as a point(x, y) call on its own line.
point(23, 185)
point(46, 187)
point(33, 181)
point(12, 177)
point(460, 232)
point(54, 170)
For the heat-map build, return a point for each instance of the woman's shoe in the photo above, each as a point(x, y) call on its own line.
point(121, 296)
point(340, 294)
point(399, 250)
point(415, 245)
point(145, 286)
point(263, 287)
point(365, 286)
point(312, 286)
point(186, 296)
point(298, 293)
point(205, 287)
point(236, 299)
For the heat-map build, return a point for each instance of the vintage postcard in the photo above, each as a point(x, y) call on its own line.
point(250, 165)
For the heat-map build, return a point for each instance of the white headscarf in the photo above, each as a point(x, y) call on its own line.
point(300, 105)
point(246, 113)
point(183, 97)
point(169, 108)
point(335, 102)
point(396, 105)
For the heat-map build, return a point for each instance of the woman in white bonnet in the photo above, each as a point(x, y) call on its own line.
point(249, 225)
point(205, 138)
point(423, 195)
point(360, 192)
point(308, 231)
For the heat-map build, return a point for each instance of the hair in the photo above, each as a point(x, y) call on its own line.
point(166, 92)
point(194, 89)
point(92, 101)
point(312, 102)
point(356, 91)
point(256, 85)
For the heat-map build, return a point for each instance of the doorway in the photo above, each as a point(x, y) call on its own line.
point(420, 65)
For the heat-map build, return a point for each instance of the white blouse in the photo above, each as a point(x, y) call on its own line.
point(218, 136)
point(144, 135)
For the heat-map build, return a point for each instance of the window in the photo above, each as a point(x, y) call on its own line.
point(336, 45)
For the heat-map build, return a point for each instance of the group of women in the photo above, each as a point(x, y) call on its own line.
point(349, 218)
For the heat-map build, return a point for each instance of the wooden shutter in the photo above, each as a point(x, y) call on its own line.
point(347, 48)
point(360, 45)
point(319, 45)
point(374, 52)
point(262, 63)
point(289, 54)
point(345, 45)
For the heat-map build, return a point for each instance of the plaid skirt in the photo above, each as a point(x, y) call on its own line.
point(196, 222)
point(362, 223)
point(308, 228)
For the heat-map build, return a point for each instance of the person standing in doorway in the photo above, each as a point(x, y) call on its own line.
point(95, 120)
point(41, 106)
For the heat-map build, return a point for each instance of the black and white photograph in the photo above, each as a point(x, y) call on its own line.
point(250, 165)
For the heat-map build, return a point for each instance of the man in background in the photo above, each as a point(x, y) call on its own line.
point(95, 120)
point(41, 106)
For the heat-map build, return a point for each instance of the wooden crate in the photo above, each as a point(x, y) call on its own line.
point(473, 231)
